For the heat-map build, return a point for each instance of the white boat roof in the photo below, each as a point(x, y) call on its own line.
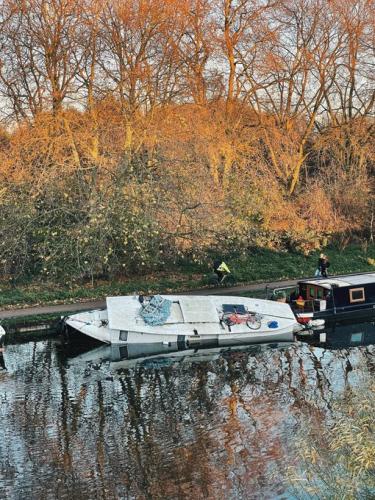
point(124, 312)
point(340, 281)
point(186, 309)
point(198, 310)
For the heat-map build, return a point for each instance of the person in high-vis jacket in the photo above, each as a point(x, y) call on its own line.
point(221, 269)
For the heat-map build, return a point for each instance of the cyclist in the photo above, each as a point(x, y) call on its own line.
point(221, 269)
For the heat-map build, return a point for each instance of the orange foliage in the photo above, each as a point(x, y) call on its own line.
point(224, 124)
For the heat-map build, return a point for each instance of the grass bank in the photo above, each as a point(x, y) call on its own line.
point(259, 265)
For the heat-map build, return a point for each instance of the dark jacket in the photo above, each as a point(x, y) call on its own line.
point(217, 263)
point(323, 265)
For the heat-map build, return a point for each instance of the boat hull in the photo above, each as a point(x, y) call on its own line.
point(195, 329)
point(104, 334)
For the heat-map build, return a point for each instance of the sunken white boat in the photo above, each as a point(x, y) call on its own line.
point(186, 320)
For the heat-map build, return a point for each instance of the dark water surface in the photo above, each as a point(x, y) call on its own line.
point(210, 424)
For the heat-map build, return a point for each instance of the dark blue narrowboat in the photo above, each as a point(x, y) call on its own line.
point(349, 296)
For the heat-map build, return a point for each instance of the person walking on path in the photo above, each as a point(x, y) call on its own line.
point(323, 265)
point(2, 362)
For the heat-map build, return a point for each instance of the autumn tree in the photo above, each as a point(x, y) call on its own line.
point(40, 58)
point(142, 131)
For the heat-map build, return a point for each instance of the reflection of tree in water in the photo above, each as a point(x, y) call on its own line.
point(209, 428)
point(339, 462)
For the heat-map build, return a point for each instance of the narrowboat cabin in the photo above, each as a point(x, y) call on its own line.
point(348, 296)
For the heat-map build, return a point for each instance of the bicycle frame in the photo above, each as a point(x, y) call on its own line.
point(238, 319)
point(252, 320)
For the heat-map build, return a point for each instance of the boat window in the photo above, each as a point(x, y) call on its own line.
point(123, 335)
point(357, 295)
point(319, 293)
point(357, 338)
point(312, 292)
point(123, 351)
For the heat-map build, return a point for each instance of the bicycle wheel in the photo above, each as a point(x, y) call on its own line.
point(229, 280)
point(254, 324)
point(213, 279)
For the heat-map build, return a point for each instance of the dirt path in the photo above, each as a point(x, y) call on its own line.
point(97, 304)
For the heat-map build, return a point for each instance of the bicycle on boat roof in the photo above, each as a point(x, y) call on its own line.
point(252, 320)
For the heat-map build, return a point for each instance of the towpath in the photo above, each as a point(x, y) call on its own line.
point(97, 304)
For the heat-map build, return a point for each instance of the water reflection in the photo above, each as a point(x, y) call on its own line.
point(214, 423)
point(346, 334)
point(157, 355)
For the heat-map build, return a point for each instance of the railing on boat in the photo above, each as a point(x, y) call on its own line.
point(300, 306)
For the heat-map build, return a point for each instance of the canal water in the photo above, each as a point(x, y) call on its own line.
point(83, 421)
